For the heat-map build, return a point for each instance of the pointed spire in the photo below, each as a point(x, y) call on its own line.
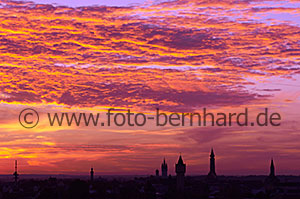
point(16, 171)
point(212, 154)
point(180, 161)
point(272, 168)
point(272, 181)
point(164, 168)
point(180, 169)
point(212, 171)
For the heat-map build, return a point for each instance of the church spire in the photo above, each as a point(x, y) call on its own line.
point(164, 169)
point(180, 169)
point(212, 170)
point(180, 161)
point(16, 175)
point(271, 181)
point(272, 169)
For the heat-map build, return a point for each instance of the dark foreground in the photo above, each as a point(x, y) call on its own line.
point(288, 187)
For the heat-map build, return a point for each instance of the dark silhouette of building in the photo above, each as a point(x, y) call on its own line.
point(92, 174)
point(164, 169)
point(157, 173)
point(272, 169)
point(16, 175)
point(150, 187)
point(271, 181)
point(212, 172)
point(180, 168)
point(78, 189)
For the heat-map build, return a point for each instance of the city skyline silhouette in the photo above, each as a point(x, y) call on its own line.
point(212, 174)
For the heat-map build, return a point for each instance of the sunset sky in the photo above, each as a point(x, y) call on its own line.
point(77, 3)
point(179, 56)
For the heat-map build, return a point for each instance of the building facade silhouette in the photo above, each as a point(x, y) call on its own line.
point(180, 169)
point(164, 169)
point(157, 173)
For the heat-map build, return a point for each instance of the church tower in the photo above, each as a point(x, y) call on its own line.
point(272, 177)
point(16, 175)
point(212, 172)
point(180, 171)
point(272, 169)
point(92, 174)
point(164, 169)
point(271, 181)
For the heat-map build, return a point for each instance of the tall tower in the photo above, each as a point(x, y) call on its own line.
point(16, 175)
point(271, 181)
point(212, 172)
point(92, 174)
point(180, 168)
point(164, 169)
point(272, 169)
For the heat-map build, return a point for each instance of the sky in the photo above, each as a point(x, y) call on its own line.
point(178, 56)
point(91, 2)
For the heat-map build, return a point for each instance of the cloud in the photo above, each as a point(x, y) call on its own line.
point(111, 44)
point(175, 55)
